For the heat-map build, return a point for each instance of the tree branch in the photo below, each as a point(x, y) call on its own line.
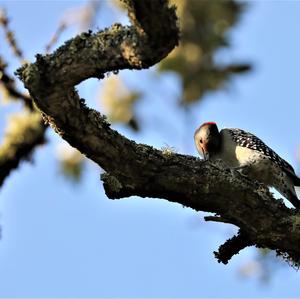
point(23, 134)
point(232, 246)
point(137, 169)
point(27, 130)
point(10, 36)
point(9, 84)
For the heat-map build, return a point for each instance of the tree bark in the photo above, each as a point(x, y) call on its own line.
point(138, 169)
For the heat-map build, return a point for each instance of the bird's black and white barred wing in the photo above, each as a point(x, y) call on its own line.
point(246, 139)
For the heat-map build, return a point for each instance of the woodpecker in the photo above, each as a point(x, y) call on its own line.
point(245, 152)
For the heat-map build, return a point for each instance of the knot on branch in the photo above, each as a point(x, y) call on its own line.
point(111, 184)
point(115, 189)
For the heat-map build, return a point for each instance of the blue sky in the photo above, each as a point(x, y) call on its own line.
point(65, 240)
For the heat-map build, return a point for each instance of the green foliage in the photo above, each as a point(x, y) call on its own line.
point(205, 27)
point(204, 30)
point(118, 102)
point(71, 162)
point(22, 129)
point(71, 170)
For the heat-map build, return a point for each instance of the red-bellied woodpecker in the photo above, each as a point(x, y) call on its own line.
point(244, 151)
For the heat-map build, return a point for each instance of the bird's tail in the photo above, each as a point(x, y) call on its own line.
point(296, 180)
point(294, 200)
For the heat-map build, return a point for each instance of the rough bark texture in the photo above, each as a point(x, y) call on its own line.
point(137, 169)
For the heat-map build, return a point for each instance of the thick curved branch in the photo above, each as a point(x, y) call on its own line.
point(137, 169)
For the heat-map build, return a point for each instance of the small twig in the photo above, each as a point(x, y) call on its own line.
point(216, 219)
point(62, 26)
point(232, 246)
point(9, 84)
point(10, 36)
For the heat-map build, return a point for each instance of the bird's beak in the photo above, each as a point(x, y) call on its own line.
point(205, 155)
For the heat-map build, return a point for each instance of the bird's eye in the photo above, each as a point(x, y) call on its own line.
point(200, 140)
